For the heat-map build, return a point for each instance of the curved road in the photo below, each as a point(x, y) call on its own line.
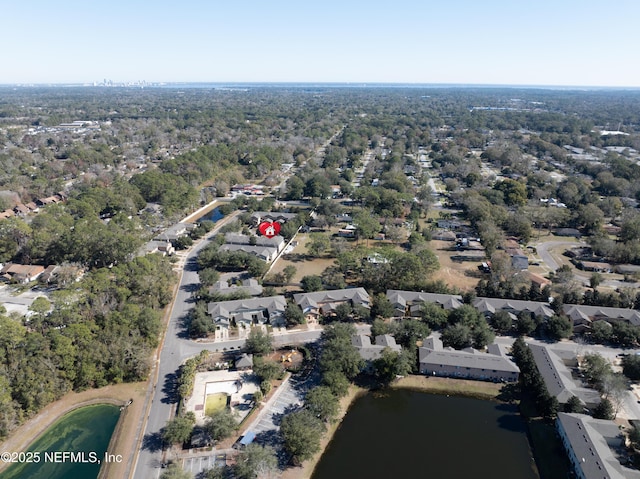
point(582, 276)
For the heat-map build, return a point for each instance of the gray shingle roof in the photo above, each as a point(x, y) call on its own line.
point(491, 305)
point(244, 309)
point(557, 377)
point(582, 312)
point(235, 238)
point(244, 361)
point(401, 298)
point(336, 296)
point(432, 352)
point(589, 441)
point(369, 351)
point(250, 286)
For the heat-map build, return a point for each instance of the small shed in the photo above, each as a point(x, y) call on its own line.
point(244, 362)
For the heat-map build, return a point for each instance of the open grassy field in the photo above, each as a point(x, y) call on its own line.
point(463, 275)
point(304, 266)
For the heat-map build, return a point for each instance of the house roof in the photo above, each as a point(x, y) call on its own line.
point(259, 251)
point(538, 279)
point(26, 270)
point(590, 313)
point(245, 361)
point(402, 298)
point(386, 340)
point(491, 305)
point(557, 377)
point(432, 352)
point(235, 238)
point(243, 309)
point(258, 216)
point(590, 441)
point(175, 231)
point(332, 297)
point(369, 351)
point(250, 286)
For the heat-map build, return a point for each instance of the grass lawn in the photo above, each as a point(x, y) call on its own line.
point(215, 402)
point(438, 385)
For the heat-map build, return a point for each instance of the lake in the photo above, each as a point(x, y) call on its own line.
point(402, 433)
point(87, 429)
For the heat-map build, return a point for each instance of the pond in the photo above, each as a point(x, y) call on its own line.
point(87, 429)
point(213, 215)
point(401, 433)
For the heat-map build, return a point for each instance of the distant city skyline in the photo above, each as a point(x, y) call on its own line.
point(495, 42)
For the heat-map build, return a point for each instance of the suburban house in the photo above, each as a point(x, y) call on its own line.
point(20, 273)
point(494, 365)
point(519, 260)
point(370, 352)
point(627, 268)
point(409, 303)
point(597, 266)
point(322, 303)
point(584, 316)
point(258, 217)
point(444, 235)
point(572, 232)
point(591, 446)
point(49, 273)
point(246, 313)
point(489, 306)
point(554, 367)
point(49, 200)
point(348, 231)
point(175, 231)
point(249, 286)
point(263, 252)
point(165, 248)
point(277, 242)
point(539, 280)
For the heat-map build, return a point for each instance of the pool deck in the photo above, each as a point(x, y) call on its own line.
point(222, 381)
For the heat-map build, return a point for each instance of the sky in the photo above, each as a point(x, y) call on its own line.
point(503, 42)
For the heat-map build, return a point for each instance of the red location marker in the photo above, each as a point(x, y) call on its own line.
point(269, 229)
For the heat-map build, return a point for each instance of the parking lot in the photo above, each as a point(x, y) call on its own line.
point(17, 303)
point(195, 465)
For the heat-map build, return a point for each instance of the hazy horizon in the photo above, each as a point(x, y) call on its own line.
point(336, 84)
point(462, 42)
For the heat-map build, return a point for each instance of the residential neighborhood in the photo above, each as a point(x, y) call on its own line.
point(254, 268)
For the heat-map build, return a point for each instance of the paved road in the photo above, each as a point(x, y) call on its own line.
point(176, 348)
point(545, 254)
point(582, 276)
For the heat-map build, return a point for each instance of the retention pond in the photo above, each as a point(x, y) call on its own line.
point(402, 433)
point(72, 448)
